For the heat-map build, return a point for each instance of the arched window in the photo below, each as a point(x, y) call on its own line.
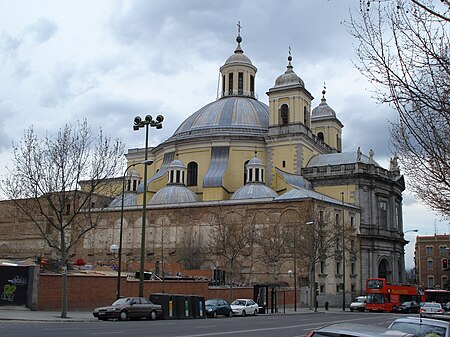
point(305, 116)
point(320, 136)
point(192, 174)
point(284, 114)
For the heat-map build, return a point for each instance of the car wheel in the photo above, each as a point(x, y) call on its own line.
point(214, 315)
point(243, 313)
point(153, 315)
point(123, 315)
point(351, 309)
point(255, 312)
point(230, 314)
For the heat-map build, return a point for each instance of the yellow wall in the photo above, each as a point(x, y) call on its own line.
point(335, 192)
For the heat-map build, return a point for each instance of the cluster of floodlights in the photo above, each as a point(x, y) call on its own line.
point(139, 123)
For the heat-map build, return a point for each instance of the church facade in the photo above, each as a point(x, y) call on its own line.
point(269, 183)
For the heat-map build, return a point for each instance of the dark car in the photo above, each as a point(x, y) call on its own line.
point(216, 307)
point(129, 307)
point(446, 306)
point(407, 307)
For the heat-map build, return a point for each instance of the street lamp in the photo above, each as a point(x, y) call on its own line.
point(139, 123)
point(343, 254)
point(411, 230)
point(312, 269)
point(119, 248)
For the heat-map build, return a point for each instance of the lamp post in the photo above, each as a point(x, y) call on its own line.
point(343, 254)
point(119, 248)
point(139, 123)
point(312, 269)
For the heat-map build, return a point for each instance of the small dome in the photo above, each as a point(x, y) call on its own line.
point(255, 162)
point(238, 56)
point(322, 110)
point(176, 164)
point(254, 191)
point(134, 174)
point(173, 194)
point(289, 78)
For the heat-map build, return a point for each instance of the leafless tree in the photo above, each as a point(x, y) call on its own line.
point(273, 245)
point(404, 50)
point(44, 184)
point(190, 249)
point(231, 239)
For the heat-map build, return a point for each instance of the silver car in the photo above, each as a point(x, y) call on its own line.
point(356, 330)
point(422, 326)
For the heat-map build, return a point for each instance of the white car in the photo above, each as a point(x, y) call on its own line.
point(243, 307)
point(422, 326)
point(431, 308)
point(359, 304)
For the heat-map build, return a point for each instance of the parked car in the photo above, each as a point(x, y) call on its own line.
point(358, 304)
point(431, 308)
point(216, 307)
point(129, 307)
point(446, 306)
point(355, 330)
point(243, 307)
point(422, 327)
point(407, 307)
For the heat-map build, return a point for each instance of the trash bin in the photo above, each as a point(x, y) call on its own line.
point(197, 306)
point(163, 300)
point(327, 305)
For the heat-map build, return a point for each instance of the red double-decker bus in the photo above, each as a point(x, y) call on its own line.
point(382, 296)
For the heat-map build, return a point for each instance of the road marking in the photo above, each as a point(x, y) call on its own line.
point(266, 329)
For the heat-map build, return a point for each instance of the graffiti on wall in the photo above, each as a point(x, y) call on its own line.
point(13, 285)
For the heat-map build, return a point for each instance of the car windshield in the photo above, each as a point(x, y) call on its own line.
point(407, 304)
point(238, 302)
point(361, 300)
point(121, 301)
point(418, 329)
point(432, 305)
point(211, 302)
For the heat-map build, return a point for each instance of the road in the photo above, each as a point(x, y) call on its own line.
point(280, 325)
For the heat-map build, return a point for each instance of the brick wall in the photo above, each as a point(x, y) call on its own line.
point(89, 291)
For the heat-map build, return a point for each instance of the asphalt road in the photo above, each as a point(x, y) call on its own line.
point(280, 325)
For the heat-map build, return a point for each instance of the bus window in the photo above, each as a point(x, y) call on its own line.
point(375, 284)
point(375, 298)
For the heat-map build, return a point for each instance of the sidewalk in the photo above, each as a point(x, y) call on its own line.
point(18, 313)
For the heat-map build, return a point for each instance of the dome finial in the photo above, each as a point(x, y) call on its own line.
point(324, 92)
point(239, 40)
point(289, 66)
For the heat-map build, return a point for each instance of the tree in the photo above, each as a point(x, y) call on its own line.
point(44, 185)
point(230, 239)
point(273, 241)
point(190, 248)
point(404, 50)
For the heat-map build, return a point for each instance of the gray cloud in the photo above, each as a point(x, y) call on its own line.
point(41, 31)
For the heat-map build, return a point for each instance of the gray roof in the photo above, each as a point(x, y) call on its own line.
point(338, 159)
point(129, 199)
point(217, 167)
point(254, 191)
point(228, 115)
point(173, 194)
point(294, 179)
point(303, 193)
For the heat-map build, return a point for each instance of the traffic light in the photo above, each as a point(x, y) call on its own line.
point(444, 264)
point(317, 289)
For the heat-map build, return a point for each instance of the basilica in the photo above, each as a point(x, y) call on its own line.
point(261, 192)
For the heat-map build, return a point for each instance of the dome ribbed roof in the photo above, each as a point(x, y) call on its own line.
point(228, 115)
point(254, 191)
point(323, 110)
point(173, 194)
point(289, 78)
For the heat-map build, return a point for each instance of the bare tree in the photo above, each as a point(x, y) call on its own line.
point(273, 243)
point(190, 249)
point(404, 50)
point(44, 185)
point(230, 240)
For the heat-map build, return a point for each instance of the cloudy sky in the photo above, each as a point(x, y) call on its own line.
point(110, 60)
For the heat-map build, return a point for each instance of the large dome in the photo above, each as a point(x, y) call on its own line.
point(229, 115)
